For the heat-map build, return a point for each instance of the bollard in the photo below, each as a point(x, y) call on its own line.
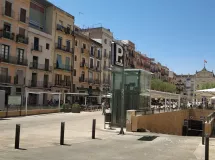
point(62, 133)
point(203, 132)
point(206, 147)
point(17, 136)
point(94, 129)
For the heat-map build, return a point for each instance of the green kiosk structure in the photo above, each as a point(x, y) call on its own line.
point(136, 89)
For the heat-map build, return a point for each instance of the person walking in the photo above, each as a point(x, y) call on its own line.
point(103, 107)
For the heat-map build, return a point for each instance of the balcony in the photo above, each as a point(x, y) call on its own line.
point(98, 56)
point(39, 84)
point(37, 48)
point(21, 39)
point(62, 67)
point(90, 80)
point(19, 80)
point(5, 79)
point(8, 13)
point(97, 81)
point(62, 83)
point(66, 30)
point(82, 79)
point(64, 48)
point(8, 35)
point(43, 67)
point(13, 60)
point(83, 64)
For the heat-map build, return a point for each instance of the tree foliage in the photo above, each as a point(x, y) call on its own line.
point(159, 85)
point(207, 86)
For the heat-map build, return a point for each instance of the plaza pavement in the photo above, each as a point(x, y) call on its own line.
point(40, 141)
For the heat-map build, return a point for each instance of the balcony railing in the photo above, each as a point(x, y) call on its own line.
point(35, 47)
point(66, 30)
point(18, 80)
point(82, 79)
point(13, 60)
point(44, 67)
point(63, 67)
point(98, 56)
point(7, 13)
point(8, 35)
point(39, 84)
point(21, 39)
point(97, 81)
point(90, 80)
point(83, 64)
point(62, 83)
point(5, 79)
point(64, 48)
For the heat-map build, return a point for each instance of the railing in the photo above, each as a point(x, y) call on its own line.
point(5, 79)
point(63, 48)
point(34, 65)
point(97, 81)
point(8, 35)
point(21, 39)
point(17, 80)
point(82, 79)
point(63, 67)
point(7, 13)
point(42, 84)
point(66, 30)
point(83, 64)
point(36, 47)
point(62, 83)
point(13, 60)
point(90, 80)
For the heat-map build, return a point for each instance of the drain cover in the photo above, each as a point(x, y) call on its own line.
point(147, 138)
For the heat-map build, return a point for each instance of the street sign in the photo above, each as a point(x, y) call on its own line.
point(118, 54)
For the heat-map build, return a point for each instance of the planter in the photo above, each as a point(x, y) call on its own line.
point(76, 108)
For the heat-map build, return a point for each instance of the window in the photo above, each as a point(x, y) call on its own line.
point(58, 61)
point(99, 54)
point(47, 46)
point(75, 58)
point(20, 55)
point(68, 45)
point(104, 63)
point(5, 51)
point(84, 46)
point(91, 50)
point(97, 76)
point(110, 43)
point(76, 43)
point(105, 40)
point(58, 79)
point(4, 71)
point(98, 64)
point(36, 43)
point(105, 53)
point(67, 66)
point(91, 62)
point(59, 42)
point(21, 31)
point(74, 72)
point(47, 64)
point(46, 80)
point(22, 15)
point(8, 9)
point(35, 61)
point(7, 27)
point(90, 75)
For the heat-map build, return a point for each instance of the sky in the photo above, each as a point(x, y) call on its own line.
point(179, 34)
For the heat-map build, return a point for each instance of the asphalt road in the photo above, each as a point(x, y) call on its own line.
point(40, 140)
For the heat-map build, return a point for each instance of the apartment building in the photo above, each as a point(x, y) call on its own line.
point(105, 37)
point(63, 52)
point(39, 71)
point(87, 65)
point(14, 43)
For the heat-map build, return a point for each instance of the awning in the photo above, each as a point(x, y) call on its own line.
point(206, 92)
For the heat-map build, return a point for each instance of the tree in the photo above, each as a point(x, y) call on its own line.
point(159, 85)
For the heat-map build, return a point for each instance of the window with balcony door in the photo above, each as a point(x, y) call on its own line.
point(58, 79)
point(91, 76)
point(8, 9)
point(35, 62)
point(45, 80)
point(5, 51)
point(105, 52)
point(58, 61)
point(98, 65)
point(22, 15)
point(36, 43)
point(21, 31)
point(34, 79)
point(68, 45)
point(20, 55)
point(84, 46)
point(92, 50)
point(47, 64)
point(91, 63)
point(99, 53)
point(67, 63)
point(97, 76)
point(4, 71)
point(59, 42)
point(7, 27)
point(76, 43)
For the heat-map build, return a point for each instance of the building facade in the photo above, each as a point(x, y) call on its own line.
point(14, 43)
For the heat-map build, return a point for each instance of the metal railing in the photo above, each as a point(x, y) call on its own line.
point(13, 60)
point(5, 79)
point(97, 81)
point(62, 83)
point(35, 47)
point(82, 79)
point(21, 39)
point(8, 35)
point(40, 84)
point(83, 64)
point(63, 67)
point(63, 48)
point(44, 67)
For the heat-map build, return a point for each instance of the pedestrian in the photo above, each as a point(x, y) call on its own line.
point(103, 107)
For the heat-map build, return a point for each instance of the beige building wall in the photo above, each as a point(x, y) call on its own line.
point(12, 19)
